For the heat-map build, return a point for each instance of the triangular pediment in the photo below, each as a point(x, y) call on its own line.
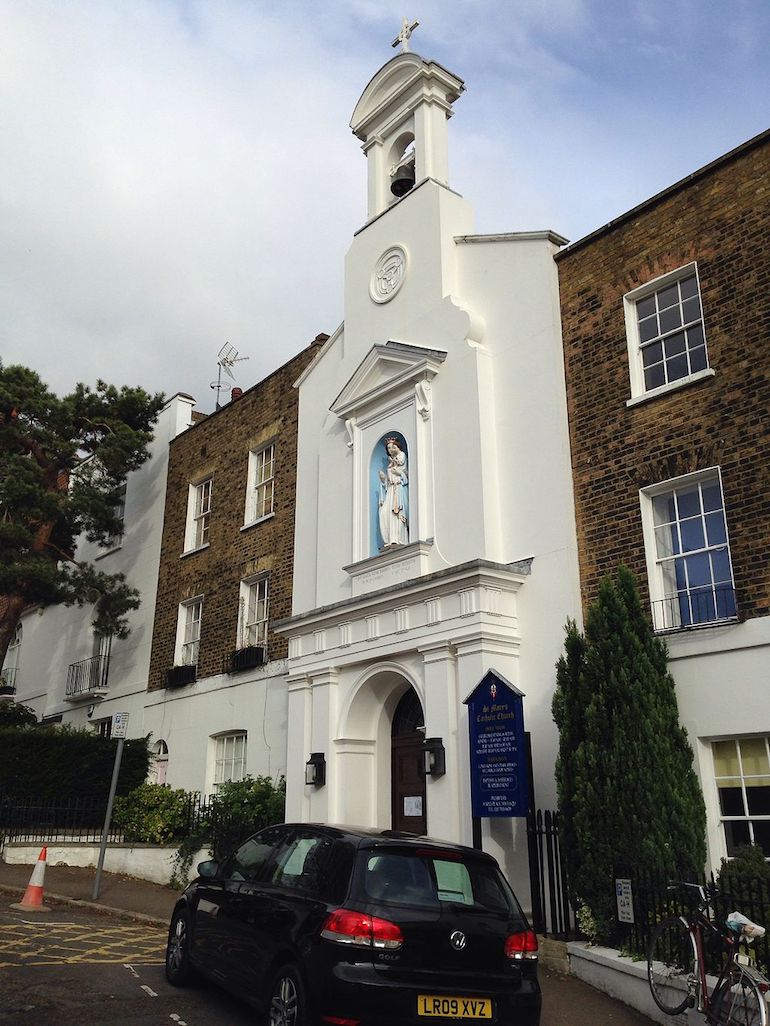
point(385, 370)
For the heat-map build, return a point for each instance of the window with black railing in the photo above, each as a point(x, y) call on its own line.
point(694, 608)
point(691, 583)
point(8, 680)
point(86, 676)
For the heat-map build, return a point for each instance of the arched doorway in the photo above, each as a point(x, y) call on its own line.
point(409, 810)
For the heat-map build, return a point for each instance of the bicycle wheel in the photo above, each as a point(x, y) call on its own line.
point(738, 1002)
point(671, 966)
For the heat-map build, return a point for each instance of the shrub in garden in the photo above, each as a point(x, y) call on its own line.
point(243, 806)
point(747, 875)
point(153, 814)
point(239, 808)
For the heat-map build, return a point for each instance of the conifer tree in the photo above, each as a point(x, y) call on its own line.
point(568, 711)
point(62, 466)
point(628, 793)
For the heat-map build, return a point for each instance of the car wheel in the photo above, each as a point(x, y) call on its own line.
point(287, 998)
point(178, 969)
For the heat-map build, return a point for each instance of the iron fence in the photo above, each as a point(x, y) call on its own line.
point(72, 819)
point(655, 898)
point(552, 913)
point(53, 819)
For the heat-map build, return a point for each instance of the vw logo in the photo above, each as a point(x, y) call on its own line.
point(457, 940)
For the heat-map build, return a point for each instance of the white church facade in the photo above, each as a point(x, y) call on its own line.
point(435, 526)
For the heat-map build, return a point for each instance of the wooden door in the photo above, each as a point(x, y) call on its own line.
point(409, 810)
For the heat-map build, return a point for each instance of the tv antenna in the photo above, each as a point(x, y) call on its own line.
point(227, 356)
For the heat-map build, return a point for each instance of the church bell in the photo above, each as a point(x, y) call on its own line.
point(403, 180)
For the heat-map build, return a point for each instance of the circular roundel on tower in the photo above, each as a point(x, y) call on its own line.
point(388, 274)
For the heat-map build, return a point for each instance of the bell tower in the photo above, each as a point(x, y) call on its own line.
point(401, 120)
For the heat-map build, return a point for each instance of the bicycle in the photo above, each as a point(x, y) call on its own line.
point(676, 967)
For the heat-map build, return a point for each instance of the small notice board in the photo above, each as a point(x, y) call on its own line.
point(625, 899)
point(499, 763)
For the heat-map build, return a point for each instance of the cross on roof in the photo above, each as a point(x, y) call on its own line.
point(403, 37)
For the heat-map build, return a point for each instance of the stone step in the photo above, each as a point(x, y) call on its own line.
point(553, 954)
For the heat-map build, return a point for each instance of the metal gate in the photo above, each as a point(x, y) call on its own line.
point(552, 914)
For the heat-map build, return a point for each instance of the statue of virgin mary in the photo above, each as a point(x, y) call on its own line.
point(393, 497)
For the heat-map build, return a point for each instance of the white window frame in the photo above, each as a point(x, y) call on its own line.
point(188, 632)
point(639, 391)
point(10, 667)
point(116, 540)
point(103, 727)
point(229, 755)
point(665, 603)
point(158, 768)
point(260, 485)
point(198, 515)
point(746, 780)
point(252, 628)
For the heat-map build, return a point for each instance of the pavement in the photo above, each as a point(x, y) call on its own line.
point(567, 1001)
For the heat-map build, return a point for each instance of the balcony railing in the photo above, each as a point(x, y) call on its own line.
point(8, 681)
point(245, 658)
point(178, 676)
point(699, 607)
point(87, 678)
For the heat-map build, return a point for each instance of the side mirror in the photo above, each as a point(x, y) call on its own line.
point(208, 869)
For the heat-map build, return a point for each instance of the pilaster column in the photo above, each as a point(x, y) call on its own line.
point(445, 812)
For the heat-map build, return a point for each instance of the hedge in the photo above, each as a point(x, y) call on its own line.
point(59, 762)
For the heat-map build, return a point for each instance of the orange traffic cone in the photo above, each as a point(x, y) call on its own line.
point(33, 896)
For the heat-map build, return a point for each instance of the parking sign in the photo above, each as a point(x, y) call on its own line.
point(119, 724)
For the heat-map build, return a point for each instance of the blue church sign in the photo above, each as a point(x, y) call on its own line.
point(499, 765)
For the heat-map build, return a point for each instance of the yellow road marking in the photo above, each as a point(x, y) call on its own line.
point(73, 943)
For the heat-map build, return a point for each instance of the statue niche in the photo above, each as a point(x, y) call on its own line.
point(390, 483)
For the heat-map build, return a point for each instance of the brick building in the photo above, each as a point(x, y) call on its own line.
point(216, 691)
point(666, 333)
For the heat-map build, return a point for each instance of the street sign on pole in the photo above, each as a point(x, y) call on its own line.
point(119, 728)
point(119, 725)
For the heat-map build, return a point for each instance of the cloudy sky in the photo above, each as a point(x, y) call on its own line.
point(179, 174)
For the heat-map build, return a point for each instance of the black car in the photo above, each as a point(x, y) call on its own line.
point(349, 927)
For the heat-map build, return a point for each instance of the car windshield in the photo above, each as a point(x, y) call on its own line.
point(430, 880)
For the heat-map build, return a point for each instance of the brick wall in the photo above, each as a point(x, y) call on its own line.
point(219, 446)
point(721, 219)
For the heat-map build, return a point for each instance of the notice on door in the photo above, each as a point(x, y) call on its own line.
point(413, 805)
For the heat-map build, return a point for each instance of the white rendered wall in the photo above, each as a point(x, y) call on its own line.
point(55, 637)
point(251, 703)
point(721, 679)
point(501, 487)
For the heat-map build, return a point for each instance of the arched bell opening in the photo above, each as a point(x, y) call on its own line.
point(401, 165)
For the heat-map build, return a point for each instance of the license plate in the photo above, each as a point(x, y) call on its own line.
point(454, 1007)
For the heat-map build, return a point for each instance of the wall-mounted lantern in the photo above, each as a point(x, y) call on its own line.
point(315, 770)
point(435, 757)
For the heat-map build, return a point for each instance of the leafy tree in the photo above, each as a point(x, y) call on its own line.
point(62, 466)
point(13, 714)
point(628, 793)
